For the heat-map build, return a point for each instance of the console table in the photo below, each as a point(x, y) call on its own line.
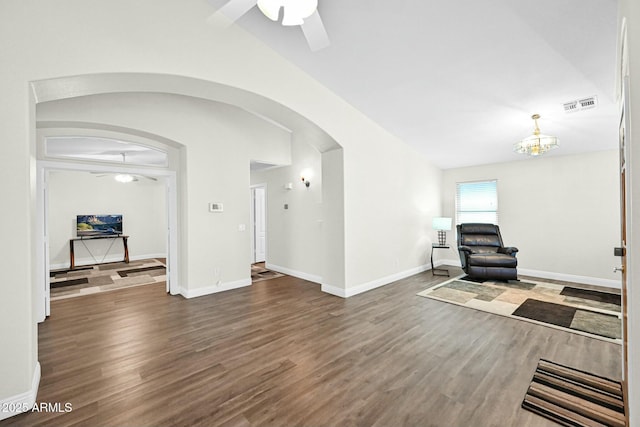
point(435, 271)
point(72, 258)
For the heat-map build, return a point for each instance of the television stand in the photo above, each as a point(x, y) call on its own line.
point(72, 257)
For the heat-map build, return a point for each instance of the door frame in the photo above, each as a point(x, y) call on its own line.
point(42, 280)
point(252, 219)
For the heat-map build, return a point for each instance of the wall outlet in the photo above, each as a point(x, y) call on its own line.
point(242, 227)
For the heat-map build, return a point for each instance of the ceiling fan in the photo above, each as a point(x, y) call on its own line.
point(296, 12)
point(124, 177)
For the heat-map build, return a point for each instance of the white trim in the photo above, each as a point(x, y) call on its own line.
point(24, 400)
point(289, 272)
point(596, 281)
point(208, 290)
point(113, 258)
point(333, 290)
point(349, 292)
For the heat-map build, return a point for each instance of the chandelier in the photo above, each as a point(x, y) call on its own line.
point(537, 143)
point(295, 11)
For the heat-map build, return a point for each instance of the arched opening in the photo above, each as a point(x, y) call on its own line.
point(195, 184)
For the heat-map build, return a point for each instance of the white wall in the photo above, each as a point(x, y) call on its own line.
point(563, 213)
point(390, 199)
point(294, 235)
point(389, 192)
point(219, 142)
point(142, 204)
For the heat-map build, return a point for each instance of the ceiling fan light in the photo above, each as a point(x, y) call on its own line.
point(124, 178)
point(295, 11)
point(270, 8)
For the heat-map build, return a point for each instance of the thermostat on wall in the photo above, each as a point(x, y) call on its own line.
point(215, 207)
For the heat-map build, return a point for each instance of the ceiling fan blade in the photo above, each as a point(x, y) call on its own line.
point(233, 10)
point(315, 33)
point(149, 177)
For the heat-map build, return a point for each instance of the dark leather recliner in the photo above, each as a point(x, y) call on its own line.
point(483, 254)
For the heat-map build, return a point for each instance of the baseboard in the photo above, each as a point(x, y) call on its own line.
point(207, 290)
point(596, 281)
point(349, 292)
point(117, 258)
point(22, 402)
point(333, 290)
point(289, 272)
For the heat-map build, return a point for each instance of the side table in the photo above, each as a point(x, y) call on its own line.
point(438, 271)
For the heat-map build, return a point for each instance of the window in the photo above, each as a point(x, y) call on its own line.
point(477, 202)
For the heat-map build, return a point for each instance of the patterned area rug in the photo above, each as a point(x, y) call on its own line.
point(105, 277)
point(260, 273)
point(587, 312)
point(574, 398)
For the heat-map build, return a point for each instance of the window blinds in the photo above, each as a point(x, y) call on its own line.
point(477, 202)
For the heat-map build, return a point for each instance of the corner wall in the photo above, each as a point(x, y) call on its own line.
point(294, 233)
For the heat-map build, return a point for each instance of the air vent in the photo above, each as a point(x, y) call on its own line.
point(581, 104)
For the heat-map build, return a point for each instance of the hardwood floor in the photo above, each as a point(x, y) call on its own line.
point(282, 353)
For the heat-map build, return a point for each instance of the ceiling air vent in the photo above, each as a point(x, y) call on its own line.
point(581, 104)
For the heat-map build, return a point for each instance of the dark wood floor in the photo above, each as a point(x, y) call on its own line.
point(282, 353)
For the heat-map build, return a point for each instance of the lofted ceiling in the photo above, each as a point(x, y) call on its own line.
point(459, 80)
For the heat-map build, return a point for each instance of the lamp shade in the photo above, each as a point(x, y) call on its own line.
point(440, 223)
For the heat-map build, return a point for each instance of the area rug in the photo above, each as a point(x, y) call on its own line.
point(260, 273)
point(91, 279)
point(587, 312)
point(572, 397)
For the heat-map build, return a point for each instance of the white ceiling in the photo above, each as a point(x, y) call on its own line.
point(459, 80)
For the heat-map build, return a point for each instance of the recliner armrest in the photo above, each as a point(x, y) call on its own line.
point(465, 249)
point(508, 250)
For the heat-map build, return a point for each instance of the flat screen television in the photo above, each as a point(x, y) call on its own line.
point(98, 225)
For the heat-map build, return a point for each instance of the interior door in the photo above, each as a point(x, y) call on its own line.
point(45, 242)
point(622, 250)
point(260, 224)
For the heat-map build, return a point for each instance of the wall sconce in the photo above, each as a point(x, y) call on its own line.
point(305, 176)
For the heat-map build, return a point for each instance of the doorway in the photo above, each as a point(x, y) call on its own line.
point(44, 168)
point(258, 223)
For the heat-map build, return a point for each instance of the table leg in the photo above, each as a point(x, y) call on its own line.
point(126, 249)
point(72, 256)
